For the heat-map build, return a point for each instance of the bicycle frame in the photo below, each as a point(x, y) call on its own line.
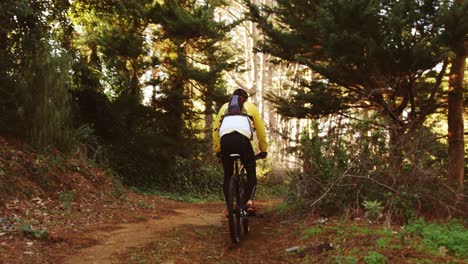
point(237, 214)
point(240, 174)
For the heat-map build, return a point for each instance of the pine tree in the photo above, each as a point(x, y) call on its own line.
point(34, 74)
point(193, 59)
point(379, 55)
point(455, 35)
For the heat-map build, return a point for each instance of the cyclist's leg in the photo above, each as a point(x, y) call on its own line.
point(240, 144)
point(251, 182)
point(228, 170)
point(250, 166)
point(228, 146)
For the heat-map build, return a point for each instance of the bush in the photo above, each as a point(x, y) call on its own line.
point(375, 258)
point(37, 105)
point(331, 163)
point(348, 163)
point(453, 236)
point(373, 210)
point(197, 177)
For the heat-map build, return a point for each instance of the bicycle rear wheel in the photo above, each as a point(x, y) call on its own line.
point(242, 201)
point(245, 225)
point(234, 211)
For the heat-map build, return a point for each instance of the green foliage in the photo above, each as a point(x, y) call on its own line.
point(118, 189)
point(110, 48)
point(66, 199)
point(196, 177)
point(188, 197)
point(157, 145)
point(140, 149)
point(373, 55)
point(383, 242)
point(57, 60)
point(329, 158)
point(268, 192)
point(34, 75)
point(345, 164)
point(311, 232)
point(356, 45)
point(193, 57)
point(187, 20)
point(372, 242)
point(43, 113)
point(44, 100)
point(144, 205)
point(375, 258)
point(402, 203)
point(373, 209)
point(453, 236)
point(28, 230)
point(311, 100)
point(345, 260)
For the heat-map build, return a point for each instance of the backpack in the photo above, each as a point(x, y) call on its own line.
point(235, 106)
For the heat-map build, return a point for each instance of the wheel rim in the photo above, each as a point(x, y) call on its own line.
point(245, 225)
point(234, 227)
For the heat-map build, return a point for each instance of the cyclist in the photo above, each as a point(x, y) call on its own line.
point(232, 132)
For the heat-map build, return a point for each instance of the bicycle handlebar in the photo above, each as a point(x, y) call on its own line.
point(260, 155)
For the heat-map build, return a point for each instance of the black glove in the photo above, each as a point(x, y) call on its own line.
point(262, 155)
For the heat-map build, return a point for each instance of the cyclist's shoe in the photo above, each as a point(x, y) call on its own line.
point(226, 214)
point(251, 210)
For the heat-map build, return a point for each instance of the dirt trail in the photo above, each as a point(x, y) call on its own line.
point(117, 242)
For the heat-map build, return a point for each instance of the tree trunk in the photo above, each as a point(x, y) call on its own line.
point(263, 73)
point(247, 55)
point(254, 65)
point(208, 126)
point(3, 40)
point(456, 151)
point(395, 144)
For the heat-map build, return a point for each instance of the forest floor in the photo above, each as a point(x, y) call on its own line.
point(150, 229)
point(62, 210)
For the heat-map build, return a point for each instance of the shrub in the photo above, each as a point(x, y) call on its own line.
point(345, 164)
point(375, 258)
point(345, 260)
point(373, 209)
point(197, 177)
point(42, 100)
point(453, 236)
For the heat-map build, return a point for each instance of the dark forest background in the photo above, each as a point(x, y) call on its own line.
point(373, 90)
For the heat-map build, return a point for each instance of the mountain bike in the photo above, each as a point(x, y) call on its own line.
point(236, 203)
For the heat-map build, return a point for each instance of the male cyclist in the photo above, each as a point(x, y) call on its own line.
point(232, 132)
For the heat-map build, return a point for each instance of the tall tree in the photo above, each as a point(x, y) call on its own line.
point(34, 72)
point(259, 73)
point(193, 58)
point(112, 33)
point(371, 54)
point(456, 36)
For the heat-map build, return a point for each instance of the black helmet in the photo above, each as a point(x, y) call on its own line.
point(241, 92)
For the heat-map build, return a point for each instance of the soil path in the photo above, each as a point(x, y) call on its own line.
point(112, 244)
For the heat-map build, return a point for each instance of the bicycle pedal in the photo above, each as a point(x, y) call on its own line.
point(251, 213)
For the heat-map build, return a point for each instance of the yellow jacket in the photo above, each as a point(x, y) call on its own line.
point(252, 111)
